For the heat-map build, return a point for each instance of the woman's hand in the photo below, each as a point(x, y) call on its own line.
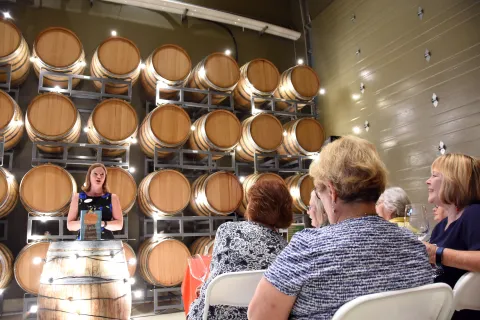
point(432, 251)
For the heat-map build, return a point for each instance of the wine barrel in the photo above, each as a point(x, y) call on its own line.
point(116, 58)
point(169, 64)
point(218, 72)
point(58, 50)
point(47, 190)
point(52, 117)
point(300, 187)
point(202, 246)
point(167, 126)
point(8, 192)
point(13, 51)
point(94, 277)
point(121, 183)
point(6, 266)
point(303, 137)
point(219, 193)
point(219, 130)
point(297, 83)
point(11, 121)
point(28, 266)
point(262, 133)
point(162, 262)
point(259, 78)
point(250, 181)
point(131, 259)
point(112, 122)
point(164, 193)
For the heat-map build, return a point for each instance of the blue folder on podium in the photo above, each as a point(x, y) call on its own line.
point(90, 225)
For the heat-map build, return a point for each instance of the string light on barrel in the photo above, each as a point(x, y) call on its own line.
point(7, 15)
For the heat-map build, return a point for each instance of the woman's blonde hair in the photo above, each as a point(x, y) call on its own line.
point(354, 168)
point(461, 179)
point(87, 185)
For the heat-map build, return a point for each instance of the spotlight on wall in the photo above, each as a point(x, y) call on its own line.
point(1, 291)
point(7, 15)
point(33, 59)
point(134, 140)
point(239, 148)
point(322, 91)
point(138, 294)
point(33, 309)
point(142, 65)
point(192, 128)
point(86, 129)
point(356, 96)
point(241, 179)
point(284, 133)
point(228, 52)
point(131, 169)
point(57, 89)
point(356, 130)
point(300, 61)
point(131, 281)
point(113, 33)
point(83, 63)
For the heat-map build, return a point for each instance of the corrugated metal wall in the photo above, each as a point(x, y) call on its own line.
point(399, 82)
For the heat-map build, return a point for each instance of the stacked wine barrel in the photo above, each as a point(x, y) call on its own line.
point(8, 192)
point(11, 121)
point(29, 266)
point(14, 52)
point(121, 183)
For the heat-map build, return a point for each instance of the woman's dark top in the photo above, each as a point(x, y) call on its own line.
point(102, 203)
point(462, 234)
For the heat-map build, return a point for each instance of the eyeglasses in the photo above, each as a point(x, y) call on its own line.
point(316, 194)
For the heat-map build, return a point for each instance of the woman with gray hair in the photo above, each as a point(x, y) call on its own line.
point(391, 205)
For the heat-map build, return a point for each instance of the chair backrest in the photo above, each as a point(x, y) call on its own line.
point(467, 292)
point(232, 289)
point(429, 302)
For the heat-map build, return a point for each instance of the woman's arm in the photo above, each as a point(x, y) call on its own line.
point(72, 223)
point(117, 222)
point(269, 303)
point(460, 259)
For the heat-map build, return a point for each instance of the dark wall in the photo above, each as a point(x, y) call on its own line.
point(399, 82)
point(148, 30)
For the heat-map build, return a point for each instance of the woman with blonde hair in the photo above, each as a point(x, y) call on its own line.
point(359, 253)
point(455, 242)
point(95, 195)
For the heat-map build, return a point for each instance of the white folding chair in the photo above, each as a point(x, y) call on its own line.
point(232, 289)
point(467, 292)
point(429, 302)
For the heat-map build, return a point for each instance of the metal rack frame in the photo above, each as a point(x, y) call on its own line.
point(180, 160)
point(272, 107)
point(272, 162)
point(62, 222)
point(206, 103)
point(82, 93)
point(29, 300)
point(67, 158)
point(180, 219)
point(158, 307)
point(8, 71)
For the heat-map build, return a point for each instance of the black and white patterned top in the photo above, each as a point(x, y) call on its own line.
point(239, 246)
point(327, 267)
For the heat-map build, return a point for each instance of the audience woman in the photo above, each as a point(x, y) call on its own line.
point(439, 213)
point(250, 245)
point(455, 242)
point(359, 253)
point(391, 205)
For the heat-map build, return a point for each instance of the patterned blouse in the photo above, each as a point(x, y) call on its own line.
point(327, 267)
point(239, 246)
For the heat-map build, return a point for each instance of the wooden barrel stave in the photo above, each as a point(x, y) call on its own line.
point(47, 190)
point(6, 266)
point(226, 74)
point(202, 246)
point(307, 142)
point(249, 182)
point(222, 134)
point(164, 192)
point(27, 273)
point(49, 47)
point(96, 287)
point(15, 52)
point(121, 183)
point(262, 133)
point(11, 121)
point(300, 187)
point(259, 78)
point(126, 59)
point(130, 257)
point(166, 126)
point(220, 198)
point(112, 122)
point(43, 123)
point(162, 262)
point(298, 78)
point(178, 58)
point(8, 192)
